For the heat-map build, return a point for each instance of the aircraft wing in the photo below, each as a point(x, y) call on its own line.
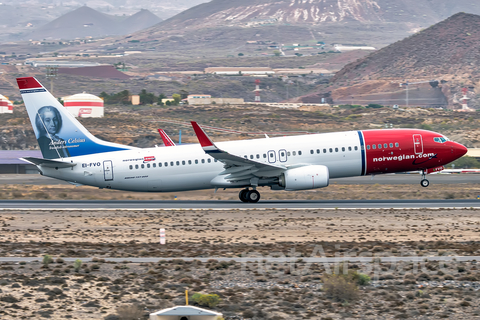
point(48, 163)
point(236, 167)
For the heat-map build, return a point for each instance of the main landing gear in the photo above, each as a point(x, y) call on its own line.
point(424, 182)
point(247, 195)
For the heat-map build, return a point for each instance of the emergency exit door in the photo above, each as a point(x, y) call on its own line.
point(108, 170)
point(418, 143)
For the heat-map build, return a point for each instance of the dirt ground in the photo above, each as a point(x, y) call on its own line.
point(105, 290)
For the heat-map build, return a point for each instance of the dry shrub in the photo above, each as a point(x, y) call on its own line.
point(340, 288)
point(130, 312)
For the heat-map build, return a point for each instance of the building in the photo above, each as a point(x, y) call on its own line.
point(10, 161)
point(199, 99)
point(84, 105)
point(185, 313)
point(6, 106)
point(239, 71)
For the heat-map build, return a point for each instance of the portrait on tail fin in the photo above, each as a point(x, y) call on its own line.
point(49, 123)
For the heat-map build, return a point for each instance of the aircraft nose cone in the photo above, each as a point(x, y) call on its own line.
point(459, 149)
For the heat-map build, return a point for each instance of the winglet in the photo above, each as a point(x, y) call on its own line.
point(166, 139)
point(205, 142)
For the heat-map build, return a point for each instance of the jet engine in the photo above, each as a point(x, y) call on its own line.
point(303, 178)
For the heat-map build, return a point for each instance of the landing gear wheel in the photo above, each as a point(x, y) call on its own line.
point(243, 195)
point(424, 183)
point(253, 196)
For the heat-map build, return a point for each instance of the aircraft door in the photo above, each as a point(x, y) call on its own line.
point(418, 143)
point(271, 156)
point(282, 155)
point(108, 170)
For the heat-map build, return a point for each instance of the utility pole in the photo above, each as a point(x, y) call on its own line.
point(51, 73)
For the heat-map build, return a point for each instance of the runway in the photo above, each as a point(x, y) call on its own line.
point(229, 204)
point(37, 179)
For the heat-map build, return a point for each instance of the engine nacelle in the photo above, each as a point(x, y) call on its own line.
point(303, 178)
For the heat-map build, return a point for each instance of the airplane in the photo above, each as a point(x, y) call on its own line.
point(167, 141)
point(302, 162)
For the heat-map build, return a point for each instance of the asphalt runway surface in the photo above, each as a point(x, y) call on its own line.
point(412, 178)
point(230, 204)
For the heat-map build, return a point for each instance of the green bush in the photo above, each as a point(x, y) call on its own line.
point(77, 265)
point(205, 300)
point(47, 259)
point(340, 287)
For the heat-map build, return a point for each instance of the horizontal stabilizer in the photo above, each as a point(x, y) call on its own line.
point(48, 163)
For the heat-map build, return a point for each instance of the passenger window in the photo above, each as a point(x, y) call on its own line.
point(288, 153)
point(349, 148)
point(336, 149)
point(391, 145)
point(196, 161)
point(166, 164)
point(159, 164)
point(183, 162)
point(273, 155)
point(148, 165)
point(215, 160)
point(154, 165)
point(294, 153)
point(171, 163)
point(130, 167)
point(318, 150)
point(251, 156)
point(396, 144)
point(299, 153)
point(368, 147)
point(209, 160)
point(385, 145)
point(374, 146)
point(282, 154)
point(379, 146)
point(330, 149)
point(189, 161)
point(136, 166)
point(325, 151)
point(258, 156)
point(143, 166)
point(203, 160)
point(343, 149)
point(265, 156)
point(311, 151)
point(356, 148)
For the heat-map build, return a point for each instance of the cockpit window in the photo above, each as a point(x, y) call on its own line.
point(440, 139)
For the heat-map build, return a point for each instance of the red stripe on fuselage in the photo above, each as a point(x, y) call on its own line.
point(400, 153)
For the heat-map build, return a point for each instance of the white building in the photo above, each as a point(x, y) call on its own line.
point(185, 313)
point(84, 105)
point(6, 106)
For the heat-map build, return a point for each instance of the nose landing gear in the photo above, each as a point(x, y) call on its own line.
point(247, 195)
point(424, 182)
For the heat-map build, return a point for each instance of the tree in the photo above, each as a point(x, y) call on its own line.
point(146, 97)
point(240, 54)
point(160, 98)
point(176, 98)
point(184, 94)
point(276, 53)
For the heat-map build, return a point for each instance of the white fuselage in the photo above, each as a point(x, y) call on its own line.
point(151, 169)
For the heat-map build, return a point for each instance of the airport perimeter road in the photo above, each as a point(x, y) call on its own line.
point(223, 204)
point(37, 179)
point(263, 258)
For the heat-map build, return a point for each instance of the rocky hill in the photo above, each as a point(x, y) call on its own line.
point(251, 12)
point(85, 21)
point(447, 51)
